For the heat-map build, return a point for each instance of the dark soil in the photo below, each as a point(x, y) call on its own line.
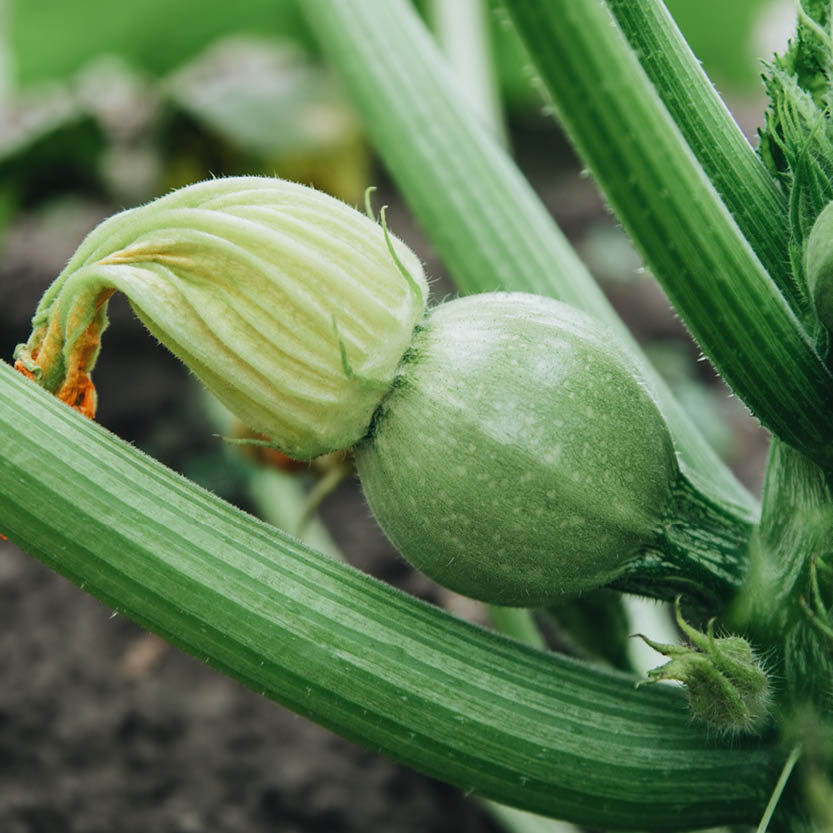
point(105, 728)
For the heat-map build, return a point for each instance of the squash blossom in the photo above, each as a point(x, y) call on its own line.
point(286, 303)
point(506, 442)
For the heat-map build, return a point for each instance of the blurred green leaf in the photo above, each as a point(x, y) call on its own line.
point(47, 141)
point(50, 39)
point(723, 36)
point(264, 97)
point(264, 107)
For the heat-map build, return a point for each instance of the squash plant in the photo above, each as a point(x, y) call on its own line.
point(518, 448)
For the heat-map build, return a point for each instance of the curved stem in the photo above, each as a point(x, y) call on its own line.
point(517, 725)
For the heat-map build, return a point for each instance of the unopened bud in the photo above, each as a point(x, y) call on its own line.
point(728, 687)
point(819, 266)
point(291, 307)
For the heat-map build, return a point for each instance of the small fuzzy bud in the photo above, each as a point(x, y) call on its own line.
point(291, 307)
point(727, 685)
point(819, 266)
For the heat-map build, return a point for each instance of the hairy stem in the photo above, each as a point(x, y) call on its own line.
point(746, 187)
point(685, 232)
point(701, 551)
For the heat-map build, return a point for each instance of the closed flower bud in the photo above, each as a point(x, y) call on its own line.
point(519, 457)
point(727, 685)
point(819, 266)
point(287, 304)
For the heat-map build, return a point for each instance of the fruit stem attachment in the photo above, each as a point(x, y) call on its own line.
point(700, 550)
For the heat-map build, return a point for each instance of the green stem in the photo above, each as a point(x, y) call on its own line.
point(281, 500)
point(701, 551)
point(516, 623)
point(483, 217)
point(779, 789)
point(779, 592)
point(685, 232)
point(750, 193)
point(517, 725)
point(462, 32)
point(796, 519)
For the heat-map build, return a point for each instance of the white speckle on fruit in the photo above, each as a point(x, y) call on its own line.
point(553, 455)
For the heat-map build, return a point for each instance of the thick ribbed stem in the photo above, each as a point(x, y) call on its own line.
point(786, 600)
point(687, 235)
point(521, 726)
point(701, 551)
point(749, 191)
